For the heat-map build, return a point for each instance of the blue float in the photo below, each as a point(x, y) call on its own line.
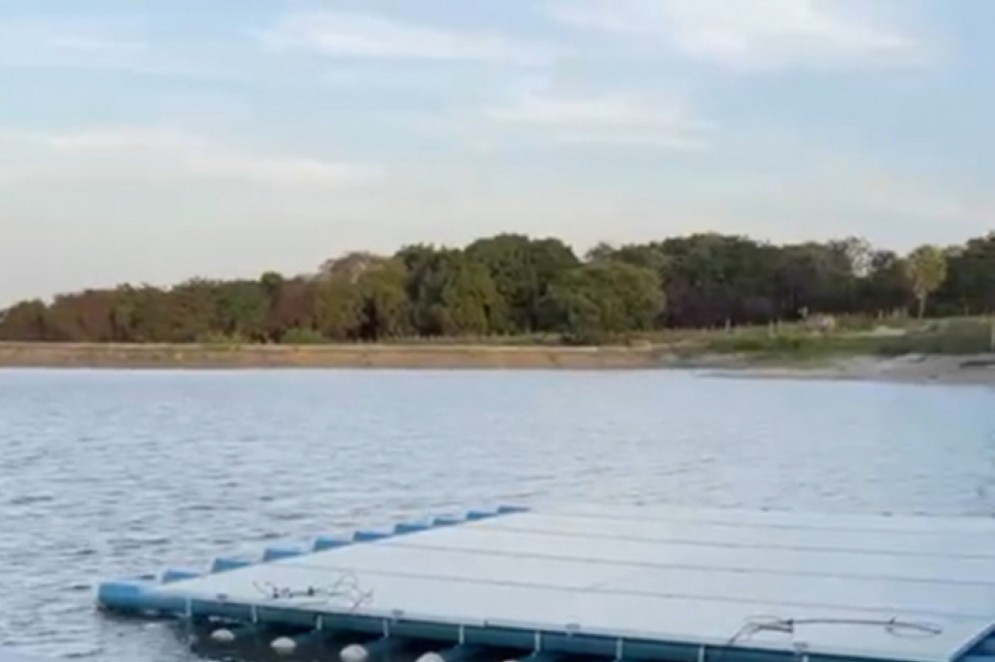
point(656, 584)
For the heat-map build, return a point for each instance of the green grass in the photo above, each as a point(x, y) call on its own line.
point(854, 335)
point(959, 336)
point(522, 340)
point(304, 337)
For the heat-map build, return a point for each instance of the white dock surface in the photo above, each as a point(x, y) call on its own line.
point(670, 574)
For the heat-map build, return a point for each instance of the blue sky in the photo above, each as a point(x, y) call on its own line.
point(153, 141)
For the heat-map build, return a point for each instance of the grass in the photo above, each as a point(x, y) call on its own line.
point(854, 335)
point(960, 336)
point(786, 344)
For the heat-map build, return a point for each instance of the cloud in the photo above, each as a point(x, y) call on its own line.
point(141, 152)
point(606, 120)
point(368, 36)
point(39, 43)
point(751, 34)
point(900, 195)
point(113, 45)
point(836, 190)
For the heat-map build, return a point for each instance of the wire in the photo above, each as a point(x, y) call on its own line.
point(765, 623)
point(346, 587)
point(893, 626)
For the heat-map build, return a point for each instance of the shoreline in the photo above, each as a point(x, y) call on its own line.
point(915, 369)
point(345, 356)
point(973, 370)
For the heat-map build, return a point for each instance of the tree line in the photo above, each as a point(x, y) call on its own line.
point(516, 285)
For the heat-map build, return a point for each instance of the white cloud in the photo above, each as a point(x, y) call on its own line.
point(112, 45)
point(141, 152)
point(839, 191)
point(608, 119)
point(41, 43)
point(898, 194)
point(368, 36)
point(749, 34)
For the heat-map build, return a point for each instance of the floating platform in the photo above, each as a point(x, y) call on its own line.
point(617, 583)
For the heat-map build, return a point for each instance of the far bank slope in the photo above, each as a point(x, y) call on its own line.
point(60, 355)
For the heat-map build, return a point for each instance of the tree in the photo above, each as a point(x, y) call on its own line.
point(927, 270)
point(648, 256)
point(712, 279)
point(522, 270)
point(602, 299)
point(361, 296)
point(815, 277)
point(349, 266)
point(271, 283)
point(470, 301)
point(338, 310)
point(386, 311)
point(86, 316)
point(423, 265)
point(451, 294)
point(24, 321)
point(190, 309)
point(970, 285)
point(240, 309)
point(293, 308)
point(142, 314)
point(515, 284)
point(858, 252)
point(886, 287)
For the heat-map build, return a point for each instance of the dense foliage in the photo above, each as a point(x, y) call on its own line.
point(512, 285)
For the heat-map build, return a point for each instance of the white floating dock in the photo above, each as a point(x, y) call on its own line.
point(651, 583)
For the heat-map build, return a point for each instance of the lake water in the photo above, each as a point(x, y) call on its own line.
point(107, 474)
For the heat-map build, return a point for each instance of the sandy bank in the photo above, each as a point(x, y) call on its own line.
point(977, 369)
point(57, 355)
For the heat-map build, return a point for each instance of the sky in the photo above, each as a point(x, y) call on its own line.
point(156, 140)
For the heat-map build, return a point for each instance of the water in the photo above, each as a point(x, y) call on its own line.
point(107, 474)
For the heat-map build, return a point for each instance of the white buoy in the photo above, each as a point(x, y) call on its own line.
point(223, 636)
point(431, 657)
point(354, 653)
point(284, 646)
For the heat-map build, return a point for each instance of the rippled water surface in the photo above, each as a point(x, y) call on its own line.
point(107, 474)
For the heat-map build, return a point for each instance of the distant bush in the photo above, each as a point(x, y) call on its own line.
point(303, 337)
point(762, 343)
point(222, 339)
point(513, 289)
point(952, 337)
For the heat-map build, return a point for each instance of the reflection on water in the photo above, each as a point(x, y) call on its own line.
point(106, 474)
